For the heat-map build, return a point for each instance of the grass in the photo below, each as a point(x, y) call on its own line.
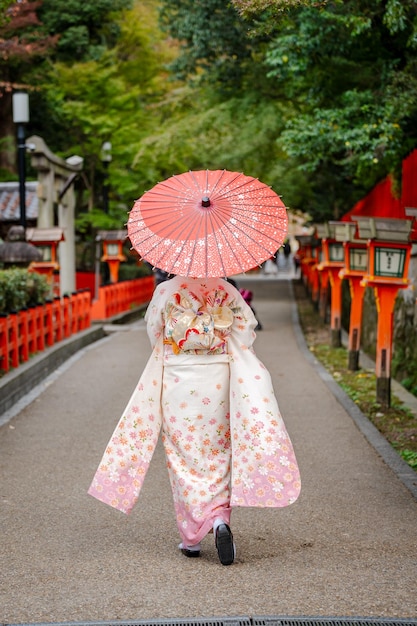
point(396, 423)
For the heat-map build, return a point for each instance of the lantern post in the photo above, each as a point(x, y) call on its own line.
point(113, 250)
point(47, 241)
point(315, 274)
point(330, 266)
point(356, 265)
point(389, 250)
point(307, 246)
point(20, 102)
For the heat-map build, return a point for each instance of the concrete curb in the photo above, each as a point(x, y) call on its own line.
point(20, 381)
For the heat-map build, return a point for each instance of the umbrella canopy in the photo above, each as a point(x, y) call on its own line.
point(208, 223)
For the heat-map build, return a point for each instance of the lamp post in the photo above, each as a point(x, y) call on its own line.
point(307, 245)
point(106, 158)
point(112, 250)
point(20, 118)
point(330, 266)
point(389, 250)
point(356, 264)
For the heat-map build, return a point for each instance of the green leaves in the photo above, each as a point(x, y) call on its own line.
point(212, 37)
point(20, 288)
point(318, 99)
point(352, 78)
point(238, 134)
point(251, 7)
point(361, 135)
point(87, 28)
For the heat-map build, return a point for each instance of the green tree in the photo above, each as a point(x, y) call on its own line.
point(350, 70)
point(31, 38)
point(101, 92)
point(317, 99)
point(212, 36)
point(23, 48)
point(118, 98)
point(250, 8)
point(4, 11)
point(86, 29)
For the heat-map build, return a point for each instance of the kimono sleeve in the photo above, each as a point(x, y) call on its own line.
point(154, 316)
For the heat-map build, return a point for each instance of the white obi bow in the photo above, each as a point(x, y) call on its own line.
point(194, 324)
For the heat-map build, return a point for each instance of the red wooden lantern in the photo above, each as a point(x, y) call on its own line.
point(46, 240)
point(112, 250)
point(332, 262)
point(356, 266)
point(389, 250)
point(307, 257)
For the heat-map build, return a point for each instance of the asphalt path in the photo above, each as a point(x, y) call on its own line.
point(347, 547)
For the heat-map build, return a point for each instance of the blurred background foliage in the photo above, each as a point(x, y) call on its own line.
point(317, 99)
point(20, 289)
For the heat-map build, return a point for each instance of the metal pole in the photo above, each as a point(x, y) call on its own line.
point(20, 106)
point(21, 151)
point(106, 157)
point(97, 269)
point(106, 187)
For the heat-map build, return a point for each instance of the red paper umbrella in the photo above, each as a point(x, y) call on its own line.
point(208, 223)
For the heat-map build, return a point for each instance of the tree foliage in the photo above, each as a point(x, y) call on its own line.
point(212, 37)
point(350, 70)
point(86, 28)
point(318, 99)
point(99, 93)
point(250, 8)
point(24, 47)
point(22, 42)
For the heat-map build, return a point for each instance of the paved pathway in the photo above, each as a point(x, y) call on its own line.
point(348, 547)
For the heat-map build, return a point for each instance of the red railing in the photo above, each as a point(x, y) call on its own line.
point(27, 332)
point(30, 331)
point(121, 297)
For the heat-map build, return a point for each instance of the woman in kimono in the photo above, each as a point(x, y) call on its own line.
point(212, 400)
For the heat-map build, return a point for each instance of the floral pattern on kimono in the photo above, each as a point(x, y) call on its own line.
point(264, 470)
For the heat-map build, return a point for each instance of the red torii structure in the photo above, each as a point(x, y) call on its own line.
point(381, 201)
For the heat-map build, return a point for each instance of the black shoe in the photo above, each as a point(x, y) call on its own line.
point(224, 544)
point(190, 553)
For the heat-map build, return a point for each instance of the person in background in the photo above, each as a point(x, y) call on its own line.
point(161, 276)
point(286, 249)
point(247, 295)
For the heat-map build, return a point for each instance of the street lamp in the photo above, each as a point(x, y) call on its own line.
point(106, 157)
point(20, 118)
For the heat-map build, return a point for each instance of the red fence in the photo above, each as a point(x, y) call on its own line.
point(120, 297)
point(27, 332)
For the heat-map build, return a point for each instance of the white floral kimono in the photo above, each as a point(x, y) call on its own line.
point(212, 399)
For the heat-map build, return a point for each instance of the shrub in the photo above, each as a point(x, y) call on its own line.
point(20, 288)
point(130, 271)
